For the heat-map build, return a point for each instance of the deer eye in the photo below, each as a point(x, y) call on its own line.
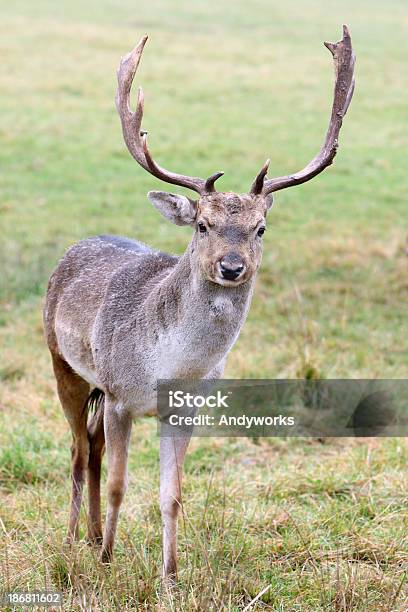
point(201, 228)
point(261, 231)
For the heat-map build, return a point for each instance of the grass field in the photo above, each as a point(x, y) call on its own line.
point(311, 526)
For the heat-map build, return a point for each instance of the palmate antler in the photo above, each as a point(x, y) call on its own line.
point(136, 139)
point(344, 60)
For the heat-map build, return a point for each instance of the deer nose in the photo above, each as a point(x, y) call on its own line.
point(231, 266)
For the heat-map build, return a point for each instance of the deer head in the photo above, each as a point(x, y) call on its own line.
point(228, 226)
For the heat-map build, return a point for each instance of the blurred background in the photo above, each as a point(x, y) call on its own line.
point(226, 86)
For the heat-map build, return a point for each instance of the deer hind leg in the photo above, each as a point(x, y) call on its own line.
point(96, 438)
point(172, 452)
point(117, 425)
point(73, 392)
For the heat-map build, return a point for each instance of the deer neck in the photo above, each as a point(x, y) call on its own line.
point(204, 319)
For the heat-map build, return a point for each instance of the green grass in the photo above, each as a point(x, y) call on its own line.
point(320, 526)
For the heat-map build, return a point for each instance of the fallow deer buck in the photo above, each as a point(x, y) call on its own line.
point(120, 315)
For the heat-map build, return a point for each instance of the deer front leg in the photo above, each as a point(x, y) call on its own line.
point(172, 452)
point(117, 425)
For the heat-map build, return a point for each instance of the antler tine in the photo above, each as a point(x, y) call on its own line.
point(136, 138)
point(344, 61)
point(126, 73)
point(258, 184)
point(209, 183)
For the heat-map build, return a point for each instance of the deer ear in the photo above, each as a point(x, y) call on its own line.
point(176, 208)
point(269, 200)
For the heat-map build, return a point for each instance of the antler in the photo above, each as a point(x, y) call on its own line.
point(136, 139)
point(344, 60)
